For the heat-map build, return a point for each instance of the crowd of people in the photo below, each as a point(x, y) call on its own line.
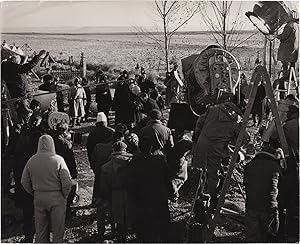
point(140, 164)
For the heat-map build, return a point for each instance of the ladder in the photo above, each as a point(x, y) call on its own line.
point(260, 73)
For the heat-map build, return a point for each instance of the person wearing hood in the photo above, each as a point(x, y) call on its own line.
point(114, 186)
point(47, 177)
point(262, 178)
point(214, 130)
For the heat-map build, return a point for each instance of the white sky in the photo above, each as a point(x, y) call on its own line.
point(65, 14)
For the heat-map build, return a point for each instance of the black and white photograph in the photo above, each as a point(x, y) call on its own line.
point(149, 121)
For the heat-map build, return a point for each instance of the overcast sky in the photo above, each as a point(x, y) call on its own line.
point(36, 15)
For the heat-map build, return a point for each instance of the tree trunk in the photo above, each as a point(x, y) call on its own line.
point(166, 45)
point(224, 24)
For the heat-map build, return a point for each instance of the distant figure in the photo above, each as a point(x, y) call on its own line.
point(148, 103)
point(173, 84)
point(257, 108)
point(48, 83)
point(47, 177)
point(103, 95)
point(144, 82)
point(123, 104)
point(79, 103)
point(87, 90)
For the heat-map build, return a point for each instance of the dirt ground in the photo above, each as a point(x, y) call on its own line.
point(81, 225)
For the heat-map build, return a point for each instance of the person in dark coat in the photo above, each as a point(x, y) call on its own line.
point(63, 147)
point(101, 155)
point(87, 90)
point(114, 184)
point(158, 135)
point(99, 134)
point(103, 95)
point(177, 164)
point(123, 104)
point(148, 103)
point(149, 190)
point(288, 52)
point(144, 83)
point(13, 73)
point(48, 83)
point(290, 179)
point(26, 146)
point(214, 130)
point(262, 184)
point(59, 96)
point(257, 108)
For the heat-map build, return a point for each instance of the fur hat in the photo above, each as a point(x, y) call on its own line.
point(119, 146)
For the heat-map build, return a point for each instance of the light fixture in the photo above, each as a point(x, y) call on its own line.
point(269, 16)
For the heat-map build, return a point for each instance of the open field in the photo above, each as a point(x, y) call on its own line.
point(124, 51)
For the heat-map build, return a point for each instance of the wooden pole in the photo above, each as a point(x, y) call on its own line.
point(83, 62)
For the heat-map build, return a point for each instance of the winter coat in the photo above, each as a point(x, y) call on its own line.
point(79, 102)
point(216, 129)
point(101, 155)
point(63, 147)
point(149, 105)
point(26, 147)
point(149, 189)
point(103, 97)
point(48, 87)
point(145, 84)
point(46, 171)
point(158, 136)
point(100, 134)
point(14, 76)
point(123, 105)
point(289, 43)
point(261, 179)
point(291, 131)
point(114, 181)
point(259, 97)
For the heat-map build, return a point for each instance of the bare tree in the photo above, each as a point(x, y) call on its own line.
point(174, 15)
point(224, 23)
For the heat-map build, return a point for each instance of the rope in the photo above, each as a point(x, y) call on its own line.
point(13, 100)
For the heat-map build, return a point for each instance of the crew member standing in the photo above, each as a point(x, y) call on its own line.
point(214, 130)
